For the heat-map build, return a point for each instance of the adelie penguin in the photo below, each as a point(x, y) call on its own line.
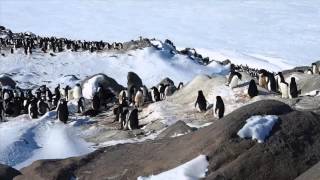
point(43, 107)
point(33, 109)
point(96, 102)
point(315, 69)
point(138, 99)
point(180, 86)
point(263, 78)
point(81, 105)
point(62, 111)
point(252, 90)
point(233, 79)
point(219, 108)
point(309, 71)
point(201, 102)
point(132, 121)
point(155, 94)
point(272, 84)
point(77, 92)
point(293, 88)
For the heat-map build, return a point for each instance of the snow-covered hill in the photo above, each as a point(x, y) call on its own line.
point(286, 31)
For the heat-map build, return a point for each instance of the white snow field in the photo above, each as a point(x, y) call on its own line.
point(283, 33)
point(191, 170)
point(258, 127)
point(150, 64)
point(24, 140)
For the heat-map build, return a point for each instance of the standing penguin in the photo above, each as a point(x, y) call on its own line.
point(284, 89)
point(145, 93)
point(201, 102)
point(138, 99)
point(155, 94)
point(234, 79)
point(293, 88)
point(132, 121)
point(279, 78)
point(309, 71)
point(219, 107)
point(33, 109)
point(77, 92)
point(272, 84)
point(122, 97)
point(161, 90)
point(81, 105)
point(263, 78)
point(67, 93)
point(62, 111)
point(180, 86)
point(96, 102)
point(252, 90)
point(315, 69)
point(57, 95)
point(43, 107)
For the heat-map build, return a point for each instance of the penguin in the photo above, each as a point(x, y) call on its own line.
point(309, 71)
point(62, 111)
point(77, 92)
point(170, 89)
point(293, 88)
point(219, 107)
point(138, 99)
point(279, 78)
point(96, 102)
point(252, 90)
point(272, 84)
point(180, 86)
point(201, 102)
point(66, 92)
point(145, 92)
point(33, 109)
point(234, 78)
point(43, 107)
point(122, 96)
point(263, 78)
point(57, 95)
point(155, 94)
point(315, 69)
point(284, 89)
point(132, 121)
point(81, 105)
point(161, 90)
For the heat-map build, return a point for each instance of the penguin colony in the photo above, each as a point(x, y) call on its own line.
point(37, 102)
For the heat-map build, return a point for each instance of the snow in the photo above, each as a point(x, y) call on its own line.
point(24, 141)
point(258, 127)
point(90, 87)
point(282, 31)
point(192, 170)
point(150, 64)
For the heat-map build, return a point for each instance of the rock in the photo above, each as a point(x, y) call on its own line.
point(90, 84)
point(7, 81)
point(166, 81)
point(7, 172)
point(311, 174)
point(177, 129)
point(294, 139)
point(133, 80)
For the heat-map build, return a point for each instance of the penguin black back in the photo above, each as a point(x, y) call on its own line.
point(252, 90)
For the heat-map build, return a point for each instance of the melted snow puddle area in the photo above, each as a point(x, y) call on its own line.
point(24, 141)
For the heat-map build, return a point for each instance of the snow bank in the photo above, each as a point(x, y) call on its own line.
point(24, 141)
point(90, 87)
point(258, 127)
point(192, 170)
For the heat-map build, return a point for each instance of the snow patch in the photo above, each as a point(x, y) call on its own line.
point(258, 127)
point(192, 170)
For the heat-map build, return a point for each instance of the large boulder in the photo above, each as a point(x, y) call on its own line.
point(133, 80)
point(90, 84)
point(6, 81)
point(166, 81)
point(7, 172)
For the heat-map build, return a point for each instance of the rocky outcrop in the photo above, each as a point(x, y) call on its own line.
point(7, 172)
point(294, 139)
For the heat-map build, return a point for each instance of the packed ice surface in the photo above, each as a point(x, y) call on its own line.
point(258, 127)
point(192, 170)
point(286, 32)
point(24, 140)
